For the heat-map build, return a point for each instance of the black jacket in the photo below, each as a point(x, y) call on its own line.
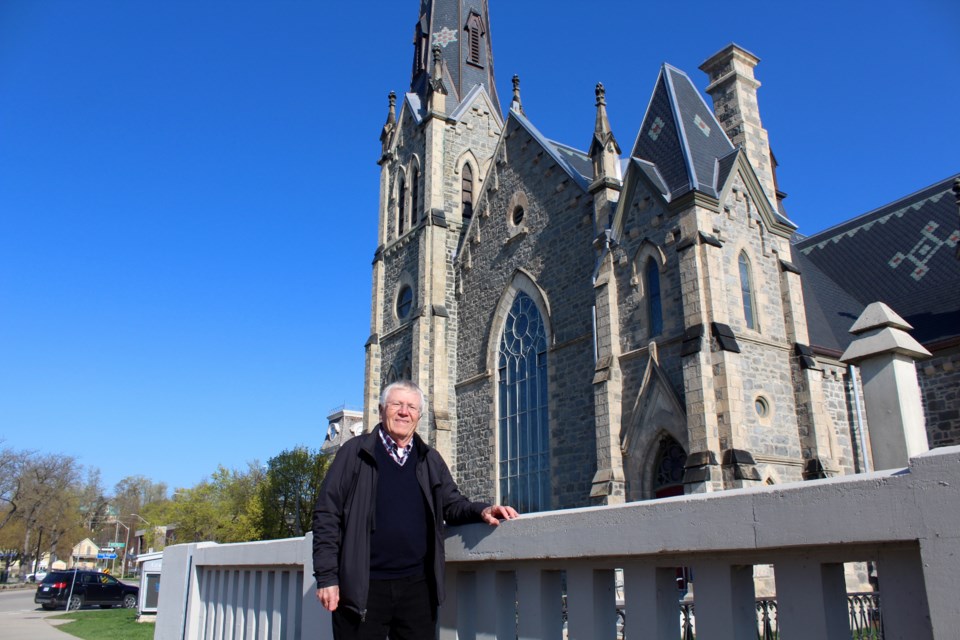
point(345, 516)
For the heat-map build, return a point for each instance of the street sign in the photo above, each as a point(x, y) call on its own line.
point(106, 555)
point(117, 545)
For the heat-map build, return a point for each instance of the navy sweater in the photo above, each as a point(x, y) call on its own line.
point(398, 545)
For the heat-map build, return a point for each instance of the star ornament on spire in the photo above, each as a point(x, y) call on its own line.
point(444, 37)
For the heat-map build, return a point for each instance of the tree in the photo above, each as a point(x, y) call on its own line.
point(132, 493)
point(239, 505)
point(11, 473)
point(45, 486)
point(290, 491)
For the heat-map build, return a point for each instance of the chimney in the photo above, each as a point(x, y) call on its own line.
point(734, 91)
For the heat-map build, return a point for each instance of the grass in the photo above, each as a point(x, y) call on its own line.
point(96, 624)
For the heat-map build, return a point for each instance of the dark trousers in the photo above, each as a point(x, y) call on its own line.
point(396, 609)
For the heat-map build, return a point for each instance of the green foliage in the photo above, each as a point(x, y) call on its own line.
point(117, 624)
point(290, 490)
point(222, 509)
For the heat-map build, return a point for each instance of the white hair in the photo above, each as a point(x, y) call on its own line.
point(406, 385)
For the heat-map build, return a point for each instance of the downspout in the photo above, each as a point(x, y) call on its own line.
point(859, 418)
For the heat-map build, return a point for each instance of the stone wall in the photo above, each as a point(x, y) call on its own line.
point(553, 248)
point(940, 383)
point(841, 408)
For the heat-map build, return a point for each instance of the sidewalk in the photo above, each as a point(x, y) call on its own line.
point(33, 626)
point(21, 619)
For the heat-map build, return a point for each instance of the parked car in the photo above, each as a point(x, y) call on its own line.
point(84, 587)
point(38, 576)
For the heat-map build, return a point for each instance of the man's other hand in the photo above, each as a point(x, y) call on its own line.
point(329, 597)
point(493, 515)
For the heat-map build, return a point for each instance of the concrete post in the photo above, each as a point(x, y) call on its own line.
point(811, 599)
point(650, 595)
point(901, 584)
point(539, 599)
point(724, 600)
point(591, 603)
point(886, 355)
point(449, 611)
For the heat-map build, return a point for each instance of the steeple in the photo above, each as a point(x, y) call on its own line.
point(461, 30)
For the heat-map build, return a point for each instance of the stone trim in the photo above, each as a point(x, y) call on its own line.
point(480, 377)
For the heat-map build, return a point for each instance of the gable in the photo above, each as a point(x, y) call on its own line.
point(736, 168)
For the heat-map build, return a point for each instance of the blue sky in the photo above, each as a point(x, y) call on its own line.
point(188, 190)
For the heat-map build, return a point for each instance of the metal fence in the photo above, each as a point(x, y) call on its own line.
point(863, 610)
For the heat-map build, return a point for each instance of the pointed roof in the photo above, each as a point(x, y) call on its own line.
point(449, 24)
point(681, 136)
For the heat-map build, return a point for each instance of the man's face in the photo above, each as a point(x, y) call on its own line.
point(401, 414)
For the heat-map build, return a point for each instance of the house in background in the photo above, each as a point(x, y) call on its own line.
point(84, 555)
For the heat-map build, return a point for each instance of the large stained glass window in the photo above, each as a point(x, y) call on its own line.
point(524, 429)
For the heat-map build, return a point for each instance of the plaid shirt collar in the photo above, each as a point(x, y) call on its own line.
point(398, 453)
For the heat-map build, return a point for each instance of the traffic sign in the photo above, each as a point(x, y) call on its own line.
point(106, 555)
point(117, 545)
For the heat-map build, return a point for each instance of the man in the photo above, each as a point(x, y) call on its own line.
point(378, 526)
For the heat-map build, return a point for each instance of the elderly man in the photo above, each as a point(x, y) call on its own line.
point(378, 526)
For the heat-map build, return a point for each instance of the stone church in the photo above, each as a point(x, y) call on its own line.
point(619, 323)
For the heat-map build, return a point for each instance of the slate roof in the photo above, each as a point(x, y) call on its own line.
point(902, 254)
point(443, 21)
point(681, 136)
point(576, 163)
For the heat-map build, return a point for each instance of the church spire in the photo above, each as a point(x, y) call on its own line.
point(461, 29)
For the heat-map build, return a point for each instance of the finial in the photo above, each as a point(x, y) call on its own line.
point(601, 94)
point(391, 123)
point(392, 115)
point(436, 82)
point(516, 104)
point(602, 127)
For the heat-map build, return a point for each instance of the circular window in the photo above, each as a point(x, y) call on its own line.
point(761, 406)
point(404, 301)
point(517, 216)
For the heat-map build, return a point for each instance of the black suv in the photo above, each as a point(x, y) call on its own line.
point(88, 587)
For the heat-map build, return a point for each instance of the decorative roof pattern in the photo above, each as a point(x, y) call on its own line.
point(902, 254)
point(444, 23)
point(681, 136)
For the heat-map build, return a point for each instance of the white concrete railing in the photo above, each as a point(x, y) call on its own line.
point(506, 582)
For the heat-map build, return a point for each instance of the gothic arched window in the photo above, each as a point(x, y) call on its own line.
point(746, 291)
point(466, 190)
point(654, 303)
point(401, 206)
point(414, 197)
point(668, 469)
point(524, 432)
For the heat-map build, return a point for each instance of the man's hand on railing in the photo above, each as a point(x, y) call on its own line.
point(493, 515)
point(329, 597)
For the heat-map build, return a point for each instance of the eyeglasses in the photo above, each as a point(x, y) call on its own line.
point(411, 408)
